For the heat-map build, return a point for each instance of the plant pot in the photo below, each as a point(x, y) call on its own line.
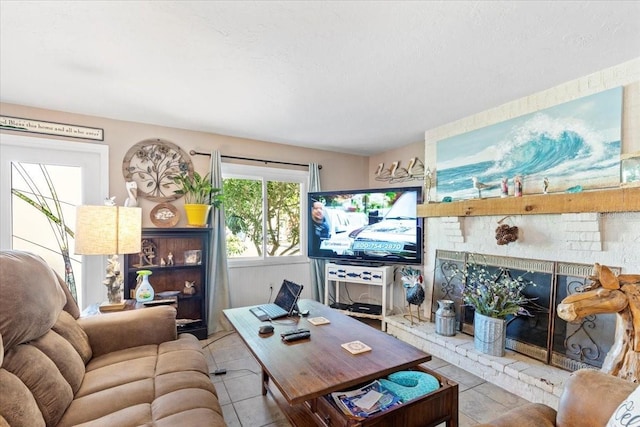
point(197, 215)
point(489, 334)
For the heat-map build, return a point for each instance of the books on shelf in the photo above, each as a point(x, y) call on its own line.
point(366, 400)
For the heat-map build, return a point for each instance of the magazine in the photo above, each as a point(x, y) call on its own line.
point(373, 397)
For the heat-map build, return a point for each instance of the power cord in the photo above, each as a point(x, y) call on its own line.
point(223, 371)
point(218, 338)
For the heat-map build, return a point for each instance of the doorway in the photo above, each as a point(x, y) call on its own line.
point(62, 175)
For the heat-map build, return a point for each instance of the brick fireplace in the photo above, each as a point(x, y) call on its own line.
point(613, 240)
point(542, 335)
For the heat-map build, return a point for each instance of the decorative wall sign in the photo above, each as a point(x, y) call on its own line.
point(153, 163)
point(50, 128)
point(575, 143)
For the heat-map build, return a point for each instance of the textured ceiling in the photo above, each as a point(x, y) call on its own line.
point(356, 77)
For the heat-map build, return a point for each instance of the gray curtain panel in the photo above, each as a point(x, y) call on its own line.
point(218, 298)
point(317, 265)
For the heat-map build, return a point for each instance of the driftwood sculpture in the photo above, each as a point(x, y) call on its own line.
point(609, 293)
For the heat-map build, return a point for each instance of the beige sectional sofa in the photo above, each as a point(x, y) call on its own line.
point(118, 369)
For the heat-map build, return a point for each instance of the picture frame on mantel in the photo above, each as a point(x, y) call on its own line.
point(630, 169)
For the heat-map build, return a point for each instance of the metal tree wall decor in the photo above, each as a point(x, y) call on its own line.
point(152, 164)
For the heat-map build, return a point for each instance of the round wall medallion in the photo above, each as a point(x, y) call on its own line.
point(152, 164)
point(164, 215)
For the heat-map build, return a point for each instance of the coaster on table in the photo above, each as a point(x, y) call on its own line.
point(356, 347)
point(319, 321)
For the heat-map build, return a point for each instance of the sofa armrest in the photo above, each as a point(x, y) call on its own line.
point(125, 329)
point(528, 415)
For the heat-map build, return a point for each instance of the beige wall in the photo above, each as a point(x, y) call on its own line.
point(338, 170)
point(403, 155)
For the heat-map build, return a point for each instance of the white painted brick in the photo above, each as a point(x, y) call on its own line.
point(523, 376)
point(582, 226)
point(589, 236)
point(450, 226)
point(446, 219)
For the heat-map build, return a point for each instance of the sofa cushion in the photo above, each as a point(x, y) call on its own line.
point(28, 312)
point(166, 384)
point(65, 357)
point(42, 378)
point(69, 329)
point(628, 412)
point(17, 405)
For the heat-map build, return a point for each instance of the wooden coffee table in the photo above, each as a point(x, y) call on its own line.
point(307, 370)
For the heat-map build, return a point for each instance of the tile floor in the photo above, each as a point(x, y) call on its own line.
point(243, 404)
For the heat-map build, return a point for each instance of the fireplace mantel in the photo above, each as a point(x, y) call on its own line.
point(614, 200)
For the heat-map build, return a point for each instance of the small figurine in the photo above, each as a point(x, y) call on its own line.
point(517, 186)
point(545, 185)
point(504, 187)
point(132, 192)
point(170, 259)
point(162, 263)
point(148, 253)
point(479, 186)
point(110, 201)
point(428, 182)
point(189, 287)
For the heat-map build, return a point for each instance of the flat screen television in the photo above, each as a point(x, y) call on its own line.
point(368, 226)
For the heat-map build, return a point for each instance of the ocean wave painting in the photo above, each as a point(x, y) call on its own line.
point(571, 144)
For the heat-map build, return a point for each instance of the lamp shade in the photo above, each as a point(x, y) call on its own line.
point(107, 230)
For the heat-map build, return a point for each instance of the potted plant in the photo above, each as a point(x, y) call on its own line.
point(494, 295)
point(199, 195)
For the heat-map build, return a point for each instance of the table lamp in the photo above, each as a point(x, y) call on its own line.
point(109, 230)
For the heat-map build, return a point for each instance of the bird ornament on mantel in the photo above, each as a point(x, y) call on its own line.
point(414, 291)
point(479, 186)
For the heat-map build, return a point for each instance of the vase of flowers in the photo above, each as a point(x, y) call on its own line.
point(495, 294)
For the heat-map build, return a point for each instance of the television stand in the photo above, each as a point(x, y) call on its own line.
point(373, 276)
point(361, 263)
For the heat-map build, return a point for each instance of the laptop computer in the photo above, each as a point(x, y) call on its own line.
point(284, 304)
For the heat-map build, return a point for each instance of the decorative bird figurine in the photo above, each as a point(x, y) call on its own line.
point(479, 186)
point(412, 282)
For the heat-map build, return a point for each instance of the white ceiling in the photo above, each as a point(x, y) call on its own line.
point(350, 76)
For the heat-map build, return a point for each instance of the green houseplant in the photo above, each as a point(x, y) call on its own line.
point(199, 196)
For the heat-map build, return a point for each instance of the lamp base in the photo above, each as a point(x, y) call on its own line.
point(112, 306)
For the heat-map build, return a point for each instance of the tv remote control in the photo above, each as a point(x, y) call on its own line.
point(293, 331)
point(296, 337)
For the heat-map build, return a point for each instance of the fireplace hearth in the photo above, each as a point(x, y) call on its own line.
point(543, 336)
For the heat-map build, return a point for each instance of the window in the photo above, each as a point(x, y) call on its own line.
point(263, 214)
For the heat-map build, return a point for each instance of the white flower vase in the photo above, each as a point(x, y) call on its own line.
point(489, 334)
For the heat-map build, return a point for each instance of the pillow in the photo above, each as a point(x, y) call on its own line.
point(628, 412)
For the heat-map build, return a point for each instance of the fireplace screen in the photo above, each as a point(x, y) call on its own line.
point(543, 336)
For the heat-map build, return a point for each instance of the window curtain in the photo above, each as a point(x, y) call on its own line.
point(218, 298)
point(317, 265)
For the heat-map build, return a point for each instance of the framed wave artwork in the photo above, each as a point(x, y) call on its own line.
point(570, 146)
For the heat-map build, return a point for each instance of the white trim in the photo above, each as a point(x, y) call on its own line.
point(232, 170)
point(39, 150)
